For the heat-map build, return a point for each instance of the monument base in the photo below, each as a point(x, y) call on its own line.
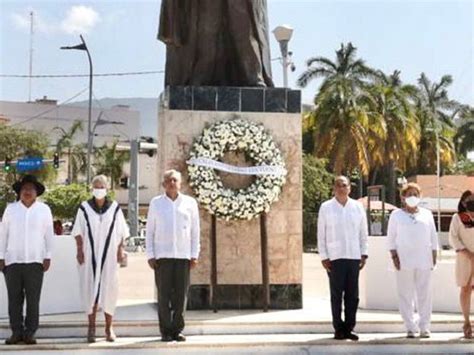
point(246, 297)
point(184, 112)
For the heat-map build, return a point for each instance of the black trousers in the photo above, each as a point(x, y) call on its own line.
point(24, 281)
point(172, 281)
point(344, 284)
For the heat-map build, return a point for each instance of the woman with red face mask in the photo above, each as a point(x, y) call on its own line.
point(461, 237)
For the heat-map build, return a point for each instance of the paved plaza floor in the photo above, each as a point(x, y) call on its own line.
point(302, 331)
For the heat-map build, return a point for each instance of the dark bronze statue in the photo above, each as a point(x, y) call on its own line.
point(216, 42)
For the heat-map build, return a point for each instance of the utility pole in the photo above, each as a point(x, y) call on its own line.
point(438, 180)
point(30, 71)
point(133, 187)
point(83, 47)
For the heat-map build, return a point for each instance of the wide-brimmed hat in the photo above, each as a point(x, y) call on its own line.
point(29, 179)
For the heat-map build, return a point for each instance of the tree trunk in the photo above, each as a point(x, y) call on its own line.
point(373, 180)
point(69, 174)
point(391, 185)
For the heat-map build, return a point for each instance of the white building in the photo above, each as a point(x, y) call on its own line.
point(117, 123)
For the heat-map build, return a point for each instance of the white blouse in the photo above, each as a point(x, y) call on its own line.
point(342, 230)
point(172, 229)
point(414, 238)
point(26, 234)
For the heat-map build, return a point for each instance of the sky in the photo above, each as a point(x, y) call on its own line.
point(431, 36)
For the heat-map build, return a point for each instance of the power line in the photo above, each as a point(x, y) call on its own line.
point(80, 75)
point(51, 109)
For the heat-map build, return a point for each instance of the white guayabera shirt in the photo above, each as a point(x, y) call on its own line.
point(414, 238)
point(172, 229)
point(342, 230)
point(26, 234)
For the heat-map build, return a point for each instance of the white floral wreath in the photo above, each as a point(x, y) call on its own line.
point(258, 146)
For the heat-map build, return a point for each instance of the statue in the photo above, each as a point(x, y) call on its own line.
point(216, 42)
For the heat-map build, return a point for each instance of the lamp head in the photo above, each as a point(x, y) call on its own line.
point(283, 33)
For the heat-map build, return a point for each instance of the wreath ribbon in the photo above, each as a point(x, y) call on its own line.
point(241, 170)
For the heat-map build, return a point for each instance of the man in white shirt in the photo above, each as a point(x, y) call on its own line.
point(172, 247)
point(342, 246)
point(26, 241)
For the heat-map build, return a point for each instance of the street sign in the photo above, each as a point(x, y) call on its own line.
point(28, 164)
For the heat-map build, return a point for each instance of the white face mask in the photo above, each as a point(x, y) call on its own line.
point(99, 193)
point(412, 201)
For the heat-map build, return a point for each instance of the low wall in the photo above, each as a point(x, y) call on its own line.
point(378, 289)
point(60, 292)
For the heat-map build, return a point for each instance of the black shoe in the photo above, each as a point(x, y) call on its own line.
point(179, 337)
point(352, 336)
point(166, 338)
point(13, 340)
point(339, 335)
point(30, 340)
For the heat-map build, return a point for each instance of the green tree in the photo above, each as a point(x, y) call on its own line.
point(110, 161)
point(18, 143)
point(395, 108)
point(317, 182)
point(434, 110)
point(317, 187)
point(64, 200)
point(74, 152)
point(464, 138)
point(463, 167)
point(342, 117)
point(78, 161)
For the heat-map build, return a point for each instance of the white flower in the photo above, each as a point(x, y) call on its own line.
point(258, 146)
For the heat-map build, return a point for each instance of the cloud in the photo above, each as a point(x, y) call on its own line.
point(20, 21)
point(80, 19)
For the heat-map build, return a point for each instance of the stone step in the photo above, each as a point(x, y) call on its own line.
point(442, 343)
point(60, 329)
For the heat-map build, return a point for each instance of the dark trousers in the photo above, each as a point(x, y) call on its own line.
point(172, 281)
point(344, 284)
point(24, 281)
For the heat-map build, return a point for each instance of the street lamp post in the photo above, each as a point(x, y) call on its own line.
point(283, 35)
point(438, 179)
point(83, 47)
point(102, 122)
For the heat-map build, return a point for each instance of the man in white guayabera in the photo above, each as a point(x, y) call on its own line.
point(172, 247)
point(342, 245)
point(26, 240)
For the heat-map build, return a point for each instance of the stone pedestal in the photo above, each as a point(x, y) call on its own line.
point(183, 113)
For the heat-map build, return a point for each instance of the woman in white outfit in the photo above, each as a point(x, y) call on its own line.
point(99, 230)
point(413, 245)
point(461, 237)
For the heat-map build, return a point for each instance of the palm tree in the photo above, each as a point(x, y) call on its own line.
point(342, 114)
point(434, 112)
point(110, 161)
point(78, 161)
point(66, 141)
point(464, 138)
point(395, 108)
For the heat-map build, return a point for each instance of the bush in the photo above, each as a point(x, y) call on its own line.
point(64, 200)
point(317, 188)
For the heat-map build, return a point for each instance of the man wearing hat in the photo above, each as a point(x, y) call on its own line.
point(26, 237)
